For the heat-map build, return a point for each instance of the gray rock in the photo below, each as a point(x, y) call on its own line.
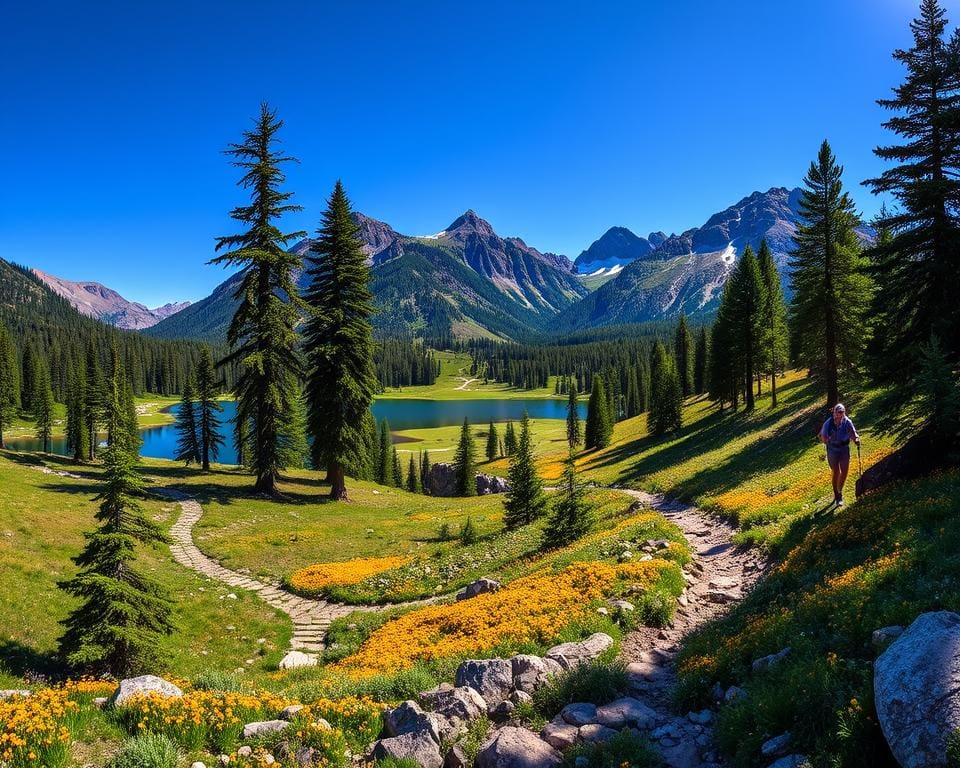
point(503, 711)
point(516, 748)
point(530, 672)
point(428, 698)
point(262, 728)
point(733, 693)
point(140, 686)
point(791, 761)
point(570, 655)
point(622, 605)
point(777, 746)
point(100, 702)
point(520, 697)
point(762, 664)
point(442, 481)
point(579, 714)
point(683, 754)
point(491, 678)
point(415, 746)
point(290, 712)
point(455, 758)
point(703, 717)
point(883, 637)
point(198, 764)
point(14, 692)
point(409, 718)
point(463, 703)
point(558, 733)
point(297, 659)
point(479, 587)
point(487, 484)
point(626, 712)
point(595, 733)
point(916, 685)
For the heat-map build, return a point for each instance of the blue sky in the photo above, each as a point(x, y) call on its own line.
point(554, 120)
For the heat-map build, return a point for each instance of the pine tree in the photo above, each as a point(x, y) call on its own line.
point(425, 472)
point(188, 437)
point(666, 401)
point(43, 405)
point(93, 395)
point(341, 380)
point(746, 304)
point(724, 369)
point(683, 352)
point(9, 381)
point(78, 439)
point(510, 440)
point(571, 516)
point(123, 611)
point(632, 406)
point(700, 359)
point(915, 268)
point(599, 427)
point(775, 335)
point(574, 430)
point(385, 463)
point(397, 468)
point(262, 332)
point(464, 463)
point(493, 442)
point(830, 292)
point(525, 501)
point(412, 476)
point(208, 422)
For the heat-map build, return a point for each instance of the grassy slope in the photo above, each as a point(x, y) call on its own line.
point(149, 409)
point(42, 520)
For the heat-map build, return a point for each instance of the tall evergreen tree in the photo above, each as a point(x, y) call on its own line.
point(525, 501)
point(208, 408)
point(571, 516)
point(465, 462)
point(397, 467)
point(78, 439)
point(43, 405)
point(385, 463)
point(93, 395)
point(917, 297)
point(262, 332)
point(341, 380)
point(188, 436)
point(775, 334)
point(9, 381)
point(493, 442)
point(724, 368)
point(684, 353)
point(425, 472)
point(599, 427)
point(666, 396)
point(510, 439)
point(700, 360)
point(830, 291)
point(413, 484)
point(574, 430)
point(123, 611)
point(747, 301)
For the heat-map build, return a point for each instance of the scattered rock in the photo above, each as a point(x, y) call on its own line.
point(409, 718)
point(579, 714)
point(520, 697)
point(455, 758)
point(559, 733)
point(530, 672)
point(417, 747)
point(442, 481)
point(703, 717)
point(12, 692)
point(721, 597)
point(883, 637)
point(491, 678)
point(733, 693)
point(289, 712)
point(503, 711)
point(140, 686)
point(263, 727)
point(722, 582)
point(297, 659)
point(622, 605)
point(759, 665)
point(491, 484)
point(916, 685)
point(428, 697)
point(683, 754)
point(791, 761)
point(595, 733)
point(244, 751)
point(569, 655)
point(479, 587)
point(626, 712)
point(100, 702)
point(463, 703)
point(777, 746)
point(197, 764)
point(517, 748)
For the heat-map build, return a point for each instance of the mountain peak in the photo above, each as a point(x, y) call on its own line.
point(469, 222)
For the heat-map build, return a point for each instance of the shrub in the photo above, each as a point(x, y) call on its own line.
point(468, 533)
point(653, 609)
point(147, 750)
point(444, 533)
point(628, 749)
point(218, 680)
point(597, 682)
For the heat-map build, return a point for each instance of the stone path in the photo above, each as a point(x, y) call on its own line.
point(311, 618)
point(720, 575)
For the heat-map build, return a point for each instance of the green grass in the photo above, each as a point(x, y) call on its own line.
point(42, 521)
point(450, 385)
point(441, 442)
point(150, 413)
point(881, 561)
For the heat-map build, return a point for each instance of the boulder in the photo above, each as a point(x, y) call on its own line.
point(517, 748)
point(14, 692)
point(579, 714)
point(263, 727)
point(791, 761)
point(133, 687)
point(503, 711)
point(916, 685)
point(409, 718)
point(290, 712)
point(419, 747)
point(491, 678)
point(456, 758)
point(558, 733)
point(428, 697)
point(297, 659)
point(777, 746)
point(442, 480)
point(623, 605)
point(491, 484)
point(479, 587)
point(463, 703)
point(520, 697)
point(530, 672)
point(626, 712)
point(762, 664)
point(594, 733)
point(883, 637)
point(570, 655)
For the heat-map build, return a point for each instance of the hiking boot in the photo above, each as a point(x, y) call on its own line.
point(839, 501)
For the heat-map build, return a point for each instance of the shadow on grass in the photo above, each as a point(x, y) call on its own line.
point(22, 661)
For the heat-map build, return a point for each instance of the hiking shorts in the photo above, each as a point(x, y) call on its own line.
point(840, 458)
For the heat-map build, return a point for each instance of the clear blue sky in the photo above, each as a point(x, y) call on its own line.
point(554, 120)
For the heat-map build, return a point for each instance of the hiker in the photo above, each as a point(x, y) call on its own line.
point(837, 433)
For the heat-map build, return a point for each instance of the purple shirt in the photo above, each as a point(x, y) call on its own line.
point(838, 436)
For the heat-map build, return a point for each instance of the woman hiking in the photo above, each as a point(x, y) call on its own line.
point(837, 433)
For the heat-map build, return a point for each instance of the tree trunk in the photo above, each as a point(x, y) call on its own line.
point(266, 483)
point(338, 486)
point(773, 387)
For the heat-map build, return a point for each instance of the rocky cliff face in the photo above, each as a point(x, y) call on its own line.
point(96, 300)
point(617, 247)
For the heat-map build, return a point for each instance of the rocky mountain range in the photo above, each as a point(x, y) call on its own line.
point(616, 248)
point(98, 301)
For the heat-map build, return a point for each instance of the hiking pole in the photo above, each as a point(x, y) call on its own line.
point(859, 463)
